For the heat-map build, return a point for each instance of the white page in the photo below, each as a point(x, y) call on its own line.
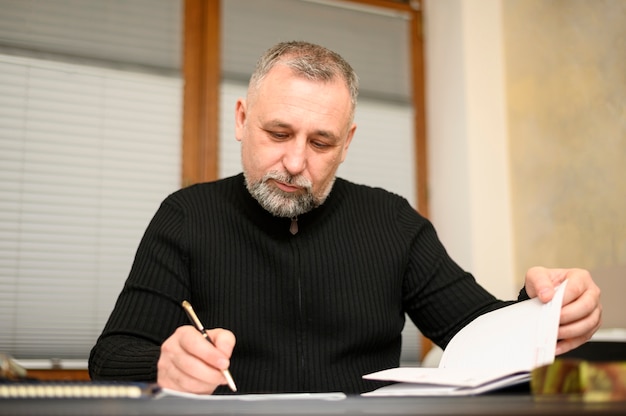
point(521, 336)
point(497, 349)
point(408, 389)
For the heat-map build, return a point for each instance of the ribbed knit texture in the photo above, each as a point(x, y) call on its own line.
point(312, 312)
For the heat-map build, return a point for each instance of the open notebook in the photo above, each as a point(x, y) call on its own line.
point(496, 350)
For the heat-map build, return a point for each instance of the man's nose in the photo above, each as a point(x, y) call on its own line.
point(295, 157)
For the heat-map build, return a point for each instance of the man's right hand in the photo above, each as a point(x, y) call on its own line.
point(191, 364)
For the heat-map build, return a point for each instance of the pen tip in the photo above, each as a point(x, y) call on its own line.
point(229, 379)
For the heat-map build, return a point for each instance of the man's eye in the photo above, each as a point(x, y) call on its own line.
point(320, 145)
point(278, 135)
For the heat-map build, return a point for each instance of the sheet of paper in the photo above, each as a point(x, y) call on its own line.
point(253, 397)
point(407, 389)
point(521, 336)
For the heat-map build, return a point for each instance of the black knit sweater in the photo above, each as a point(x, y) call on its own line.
point(311, 312)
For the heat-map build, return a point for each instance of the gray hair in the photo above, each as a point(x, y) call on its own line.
point(311, 61)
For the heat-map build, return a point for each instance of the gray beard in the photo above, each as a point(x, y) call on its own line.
point(284, 204)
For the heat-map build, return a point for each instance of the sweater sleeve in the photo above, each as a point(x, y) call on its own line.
point(438, 295)
point(148, 309)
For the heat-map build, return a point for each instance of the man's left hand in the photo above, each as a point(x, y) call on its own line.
point(581, 313)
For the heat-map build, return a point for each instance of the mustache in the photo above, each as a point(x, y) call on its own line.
point(295, 180)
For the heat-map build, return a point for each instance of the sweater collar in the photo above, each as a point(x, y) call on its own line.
point(280, 226)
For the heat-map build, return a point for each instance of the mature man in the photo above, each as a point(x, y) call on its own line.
point(312, 274)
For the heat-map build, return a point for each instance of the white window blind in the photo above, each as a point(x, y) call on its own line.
point(130, 32)
point(86, 156)
point(76, 192)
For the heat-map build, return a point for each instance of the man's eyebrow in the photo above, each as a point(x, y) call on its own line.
point(282, 124)
point(328, 135)
point(277, 123)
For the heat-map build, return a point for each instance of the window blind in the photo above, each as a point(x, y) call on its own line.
point(139, 32)
point(88, 184)
point(86, 156)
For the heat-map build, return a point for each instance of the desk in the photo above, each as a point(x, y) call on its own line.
point(497, 404)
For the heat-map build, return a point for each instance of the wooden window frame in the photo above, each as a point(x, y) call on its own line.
point(202, 77)
point(201, 73)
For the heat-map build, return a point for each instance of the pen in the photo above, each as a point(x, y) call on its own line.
point(194, 318)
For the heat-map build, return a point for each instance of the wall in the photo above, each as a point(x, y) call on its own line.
point(467, 143)
point(527, 138)
point(566, 86)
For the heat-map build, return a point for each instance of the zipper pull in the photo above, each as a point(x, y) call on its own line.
point(293, 228)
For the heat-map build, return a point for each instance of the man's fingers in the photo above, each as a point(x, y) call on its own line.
point(223, 340)
point(575, 333)
point(541, 282)
point(195, 381)
point(578, 305)
point(190, 363)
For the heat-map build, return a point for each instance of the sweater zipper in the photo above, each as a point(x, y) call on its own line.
point(301, 342)
point(293, 227)
point(302, 332)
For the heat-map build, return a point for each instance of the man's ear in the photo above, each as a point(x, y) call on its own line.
point(240, 118)
point(346, 145)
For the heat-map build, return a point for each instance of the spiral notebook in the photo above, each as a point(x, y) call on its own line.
point(38, 389)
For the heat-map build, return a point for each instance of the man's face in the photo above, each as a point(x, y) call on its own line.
point(294, 134)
